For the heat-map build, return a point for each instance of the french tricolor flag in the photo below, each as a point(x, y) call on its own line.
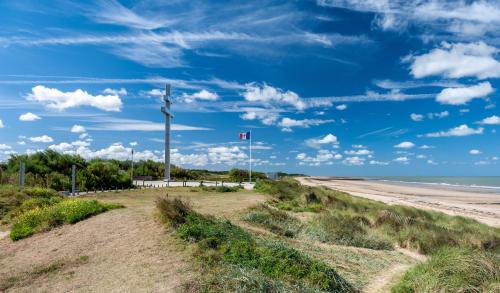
point(245, 135)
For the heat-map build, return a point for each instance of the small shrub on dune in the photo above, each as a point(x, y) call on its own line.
point(11, 197)
point(43, 218)
point(173, 211)
point(453, 270)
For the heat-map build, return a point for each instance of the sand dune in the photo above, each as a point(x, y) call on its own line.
point(484, 207)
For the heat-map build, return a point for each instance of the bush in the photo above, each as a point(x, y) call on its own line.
point(43, 218)
point(173, 211)
point(453, 270)
point(220, 189)
point(11, 197)
point(221, 242)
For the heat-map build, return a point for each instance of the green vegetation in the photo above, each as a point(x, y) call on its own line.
point(277, 221)
point(225, 248)
point(12, 199)
point(454, 270)
point(348, 217)
point(218, 189)
point(453, 243)
point(44, 216)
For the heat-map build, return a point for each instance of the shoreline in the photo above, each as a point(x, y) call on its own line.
point(483, 207)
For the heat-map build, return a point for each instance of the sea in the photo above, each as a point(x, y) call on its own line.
point(474, 183)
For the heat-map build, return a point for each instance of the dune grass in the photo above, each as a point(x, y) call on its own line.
point(218, 189)
point(225, 249)
point(419, 230)
point(43, 215)
point(454, 269)
point(273, 219)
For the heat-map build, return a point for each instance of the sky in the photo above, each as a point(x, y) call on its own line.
point(327, 87)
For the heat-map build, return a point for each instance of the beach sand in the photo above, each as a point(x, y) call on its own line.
point(484, 207)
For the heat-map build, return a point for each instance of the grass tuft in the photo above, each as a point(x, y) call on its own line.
point(453, 270)
point(275, 220)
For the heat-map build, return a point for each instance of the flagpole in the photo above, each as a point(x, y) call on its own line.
point(250, 173)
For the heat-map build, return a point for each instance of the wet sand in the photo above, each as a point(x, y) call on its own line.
point(484, 207)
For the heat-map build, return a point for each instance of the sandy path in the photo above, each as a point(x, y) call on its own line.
point(123, 250)
point(480, 206)
point(383, 282)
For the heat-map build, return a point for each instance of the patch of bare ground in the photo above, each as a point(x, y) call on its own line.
point(124, 250)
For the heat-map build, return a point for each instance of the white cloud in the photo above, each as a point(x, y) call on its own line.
point(1, 124)
point(203, 95)
point(416, 117)
point(462, 95)
point(318, 142)
point(78, 129)
point(133, 143)
point(58, 100)
point(493, 120)
point(405, 145)
point(119, 124)
point(287, 123)
point(341, 107)
point(154, 93)
point(43, 138)
point(421, 156)
point(29, 117)
point(457, 61)
point(266, 116)
point(321, 157)
point(439, 115)
point(373, 162)
point(358, 146)
point(475, 152)
point(431, 162)
point(4, 146)
point(354, 161)
point(269, 95)
point(462, 130)
point(116, 92)
point(426, 147)
point(402, 160)
point(361, 152)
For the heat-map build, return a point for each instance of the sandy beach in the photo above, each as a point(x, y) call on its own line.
point(484, 207)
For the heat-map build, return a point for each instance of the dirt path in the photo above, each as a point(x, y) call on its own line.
point(123, 250)
point(383, 282)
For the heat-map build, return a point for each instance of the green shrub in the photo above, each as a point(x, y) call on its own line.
point(43, 218)
point(40, 192)
point(221, 242)
point(12, 197)
point(276, 221)
point(219, 189)
point(453, 270)
point(173, 211)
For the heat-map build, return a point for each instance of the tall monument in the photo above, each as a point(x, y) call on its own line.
point(168, 116)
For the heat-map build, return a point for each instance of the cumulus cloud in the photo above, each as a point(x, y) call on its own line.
point(4, 146)
point(354, 161)
point(457, 61)
point(416, 117)
point(462, 130)
point(116, 92)
point(155, 93)
point(361, 152)
point(266, 116)
point(271, 95)
point(43, 138)
point(493, 120)
point(78, 129)
point(321, 157)
point(328, 139)
point(381, 163)
point(286, 123)
point(402, 160)
point(202, 95)
point(29, 117)
point(475, 152)
point(1, 124)
point(405, 145)
point(58, 100)
point(341, 107)
point(462, 95)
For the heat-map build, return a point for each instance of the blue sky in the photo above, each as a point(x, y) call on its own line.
point(330, 87)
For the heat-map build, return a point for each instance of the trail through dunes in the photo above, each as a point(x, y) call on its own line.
point(124, 250)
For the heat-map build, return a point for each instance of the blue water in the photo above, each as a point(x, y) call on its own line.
point(483, 183)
